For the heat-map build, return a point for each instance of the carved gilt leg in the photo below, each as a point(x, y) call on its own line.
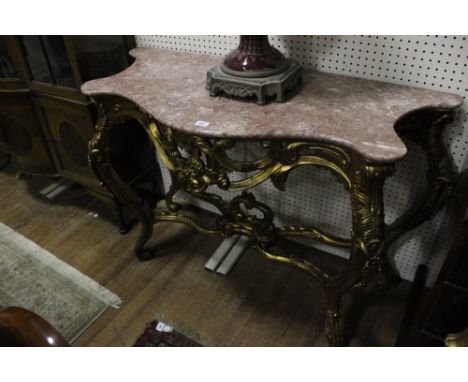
point(332, 324)
point(367, 254)
point(99, 158)
point(426, 128)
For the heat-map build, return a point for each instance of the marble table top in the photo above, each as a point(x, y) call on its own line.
point(355, 113)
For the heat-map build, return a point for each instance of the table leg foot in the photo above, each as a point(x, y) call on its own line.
point(124, 225)
point(124, 229)
point(147, 228)
point(333, 330)
point(146, 254)
point(333, 326)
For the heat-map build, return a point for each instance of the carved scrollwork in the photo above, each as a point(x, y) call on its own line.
point(240, 210)
point(368, 220)
point(313, 233)
point(205, 161)
point(271, 156)
point(425, 129)
point(198, 163)
point(296, 154)
point(367, 202)
point(234, 90)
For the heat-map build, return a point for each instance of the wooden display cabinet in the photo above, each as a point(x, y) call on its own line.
point(68, 126)
point(21, 135)
point(49, 122)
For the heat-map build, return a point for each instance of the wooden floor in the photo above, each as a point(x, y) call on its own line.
point(259, 304)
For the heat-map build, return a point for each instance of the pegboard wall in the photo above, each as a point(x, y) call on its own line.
point(312, 195)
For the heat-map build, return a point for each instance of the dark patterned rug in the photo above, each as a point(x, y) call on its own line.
point(158, 334)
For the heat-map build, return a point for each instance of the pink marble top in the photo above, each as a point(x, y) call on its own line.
point(353, 112)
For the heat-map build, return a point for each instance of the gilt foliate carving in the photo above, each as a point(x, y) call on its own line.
point(198, 164)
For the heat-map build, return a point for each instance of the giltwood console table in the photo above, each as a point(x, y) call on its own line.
point(352, 127)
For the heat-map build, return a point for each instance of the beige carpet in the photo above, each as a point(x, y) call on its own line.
point(32, 278)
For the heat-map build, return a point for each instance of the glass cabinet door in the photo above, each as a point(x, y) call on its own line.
point(101, 56)
point(58, 58)
point(7, 70)
point(47, 60)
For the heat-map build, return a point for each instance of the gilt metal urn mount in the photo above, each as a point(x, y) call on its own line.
point(254, 70)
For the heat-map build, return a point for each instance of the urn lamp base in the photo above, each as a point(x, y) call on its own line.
point(254, 69)
point(219, 82)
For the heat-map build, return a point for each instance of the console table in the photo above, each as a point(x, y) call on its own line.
point(350, 126)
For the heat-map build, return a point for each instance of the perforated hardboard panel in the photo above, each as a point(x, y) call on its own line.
point(313, 196)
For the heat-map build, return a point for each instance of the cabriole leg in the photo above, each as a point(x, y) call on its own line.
point(367, 250)
point(99, 158)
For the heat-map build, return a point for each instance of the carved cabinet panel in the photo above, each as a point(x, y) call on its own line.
point(69, 128)
point(22, 137)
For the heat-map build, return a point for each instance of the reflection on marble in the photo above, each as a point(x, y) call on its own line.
point(353, 112)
